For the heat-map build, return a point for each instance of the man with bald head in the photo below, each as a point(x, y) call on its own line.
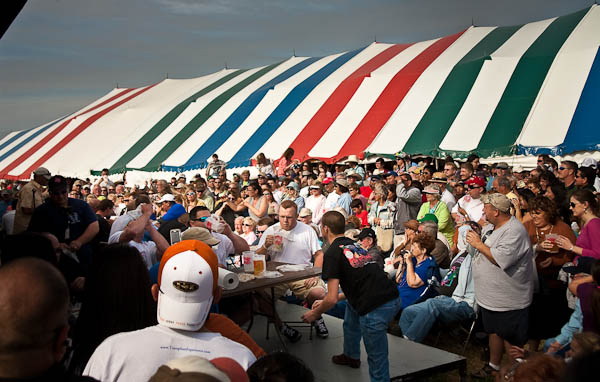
point(34, 302)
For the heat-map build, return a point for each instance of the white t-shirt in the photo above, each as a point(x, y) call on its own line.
point(299, 244)
point(224, 248)
point(331, 201)
point(135, 356)
point(146, 248)
point(317, 206)
point(474, 207)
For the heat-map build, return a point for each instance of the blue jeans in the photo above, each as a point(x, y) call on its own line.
point(416, 320)
point(372, 327)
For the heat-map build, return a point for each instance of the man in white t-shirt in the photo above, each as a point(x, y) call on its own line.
point(133, 234)
point(186, 289)
point(470, 207)
point(293, 242)
point(332, 196)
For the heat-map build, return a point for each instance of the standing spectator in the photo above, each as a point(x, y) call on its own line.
point(29, 198)
point(354, 191)
point(438, 208)
point(353, 166)
point(104, 210)
point(191, 200)
point(447, 196)
point(372, 299)
point(72, 221)
point(264, 165)
point(381, 218)
point(332, 196)
point(466, 171)
point(584, 207)
point(566, 174)
point(504, 279)
point(344, 200)
point(316, 202)
point(470, 206)
point(215, 167)
point(379, 166)
point(586, 176)
point(285, 162)
point(408, 202)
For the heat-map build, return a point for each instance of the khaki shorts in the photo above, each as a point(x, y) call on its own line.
point(298, 287)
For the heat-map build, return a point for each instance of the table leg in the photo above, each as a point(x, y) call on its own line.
point(273, 320)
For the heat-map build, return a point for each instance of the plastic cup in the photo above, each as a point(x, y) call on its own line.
point(551, 237)
point(248, 260)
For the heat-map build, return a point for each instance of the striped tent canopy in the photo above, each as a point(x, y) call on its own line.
point(495, 91)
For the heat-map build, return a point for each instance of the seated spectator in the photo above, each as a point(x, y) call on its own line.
point(368, 241)
point(187, 287)
point(151, 251)
point(440, 253)
point(454, 304)
point(248, 230)
point(411, 227)
point(416, 267)
point(33, 335)
point(305, 216)
point(238, 225)
point(116, 299)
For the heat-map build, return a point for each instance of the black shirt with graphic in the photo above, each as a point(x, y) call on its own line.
point(364, 283)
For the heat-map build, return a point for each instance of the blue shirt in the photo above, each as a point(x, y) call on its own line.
point(410, 295)
point(344, 201)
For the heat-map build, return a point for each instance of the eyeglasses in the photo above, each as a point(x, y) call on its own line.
point(202, 219)
point(572, 205)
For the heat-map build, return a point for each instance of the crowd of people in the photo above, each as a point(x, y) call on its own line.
point(125, 280)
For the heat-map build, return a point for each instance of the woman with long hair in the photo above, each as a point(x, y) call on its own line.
point(522, 210)
point(264, 165)
point(285, 162)
point(584, 207)
point(116, 299)
point(191, 199)
point(255, 204)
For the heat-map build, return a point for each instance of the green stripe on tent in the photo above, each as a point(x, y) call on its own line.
point(200, 118)
point(447, 103)
point(517, 100)
point(154, 132)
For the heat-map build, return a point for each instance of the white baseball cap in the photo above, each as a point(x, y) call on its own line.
point(187, 281)
point(167, 198)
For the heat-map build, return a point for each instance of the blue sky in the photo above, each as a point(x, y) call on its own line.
point(60, 55)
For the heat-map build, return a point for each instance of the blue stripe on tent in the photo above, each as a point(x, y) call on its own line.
point(29, 139)
point(284, 109)
point(234, 121)
point(583, 133)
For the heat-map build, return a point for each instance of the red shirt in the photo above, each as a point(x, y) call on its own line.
point(363, 216)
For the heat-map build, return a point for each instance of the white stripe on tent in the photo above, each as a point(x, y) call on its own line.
point(197, 139)
point(269, 103)
point(58, 137)
point(137, 115)
point(361, 102)
point(556, 103)
point(405, 119)
point(293, 125)
point(128, 137)
point(8, 136)
point(25, 137)
point(470, 123)
point(190, 112)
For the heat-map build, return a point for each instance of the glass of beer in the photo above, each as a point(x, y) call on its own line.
point(260, 265)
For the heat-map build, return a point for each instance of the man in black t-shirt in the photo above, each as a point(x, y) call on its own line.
point(372, 298)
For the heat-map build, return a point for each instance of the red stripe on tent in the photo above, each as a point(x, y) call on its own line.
point(391, 97)
point(47, 138)
point(78, 130)
point(333, 106)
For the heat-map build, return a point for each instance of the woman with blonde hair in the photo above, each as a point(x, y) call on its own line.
point(191, 200)
point(248, 233)
point(264, 165)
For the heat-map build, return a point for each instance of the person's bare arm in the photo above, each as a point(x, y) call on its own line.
point(475, 240)
point(412, 279)
point(90, 232)
point(161, 243)
point(578, 281)
point(321, 306)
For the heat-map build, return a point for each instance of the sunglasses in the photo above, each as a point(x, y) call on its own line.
point(562, 168)
point(261, 232)
point(191, 194)
point(202, 219)
point(247, 225)
point(540, 160)
point(471, 187)
point(572, 205)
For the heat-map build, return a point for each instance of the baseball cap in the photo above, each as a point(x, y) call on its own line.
point(200, 233)
point(197, 368)
point(305, 212)
point(167, 198)
point(42, 171)
point(589, 162)
point(518, 169)
point(327, 180)
point(180, 176)
point(294, 185)
point(391, 173)
point(57, 184)
point(367, 232)
point(187, 281)
point(499, 201)
point(502, 165)
point(429, 217)
point(476, 180)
